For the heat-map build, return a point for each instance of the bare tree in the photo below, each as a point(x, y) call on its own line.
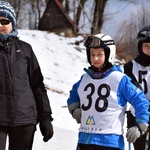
point(67, 7)
point(79, 10)
point(28, 6)
point(33, 2)
point(98, 16)
point(16, 5)
point(127, 41)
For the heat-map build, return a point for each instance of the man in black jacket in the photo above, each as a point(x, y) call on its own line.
point(139, 71)
point(23, 99)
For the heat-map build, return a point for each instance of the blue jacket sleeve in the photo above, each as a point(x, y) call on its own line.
point(74, 97)
point(128, 92)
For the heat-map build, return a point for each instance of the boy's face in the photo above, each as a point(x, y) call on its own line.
point(146, 48)
point(5, 29)
point(97, 57)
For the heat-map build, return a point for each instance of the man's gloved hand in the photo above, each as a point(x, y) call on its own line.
point(77, 115)
point(46, 128)
point(135, 132)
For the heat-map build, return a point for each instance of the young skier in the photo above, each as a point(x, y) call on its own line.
point(139, 71)
point(98, 100)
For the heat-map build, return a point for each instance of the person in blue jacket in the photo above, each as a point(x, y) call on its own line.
point(99, 99)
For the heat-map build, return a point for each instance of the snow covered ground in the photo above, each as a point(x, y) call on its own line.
point(62, 65)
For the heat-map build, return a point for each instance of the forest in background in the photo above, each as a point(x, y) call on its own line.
point(92, 16)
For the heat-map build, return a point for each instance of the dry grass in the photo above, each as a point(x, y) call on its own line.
point(126, 39)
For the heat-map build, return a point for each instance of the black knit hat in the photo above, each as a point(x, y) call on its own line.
point(7, 11)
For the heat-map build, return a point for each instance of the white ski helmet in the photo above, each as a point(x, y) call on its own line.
point(101, 41)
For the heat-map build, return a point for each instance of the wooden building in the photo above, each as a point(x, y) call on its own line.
point(55, 19)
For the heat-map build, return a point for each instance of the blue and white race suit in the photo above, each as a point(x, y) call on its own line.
point(103, 105)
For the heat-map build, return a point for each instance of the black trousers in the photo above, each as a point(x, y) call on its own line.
point(19, 138)
point(94, 147)
point(140, 143)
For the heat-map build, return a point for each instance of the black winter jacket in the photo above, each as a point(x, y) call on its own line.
point(23, 98)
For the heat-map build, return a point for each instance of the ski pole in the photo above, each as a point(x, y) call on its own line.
point(147, 140)
point(129, 144)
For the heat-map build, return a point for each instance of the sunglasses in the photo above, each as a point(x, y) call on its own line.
point(144, 35)
point(4, 21)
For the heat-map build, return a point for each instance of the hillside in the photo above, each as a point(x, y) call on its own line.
point(62, 64)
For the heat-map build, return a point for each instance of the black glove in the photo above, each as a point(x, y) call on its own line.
point(46, 128)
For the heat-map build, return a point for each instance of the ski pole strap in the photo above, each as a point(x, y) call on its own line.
point(130, 119)
point(129, 144)
point(142, 132)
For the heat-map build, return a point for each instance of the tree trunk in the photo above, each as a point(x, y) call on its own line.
point(39, 10)
point(67, 7)
point(79, 10)
point(98, 16)
point(16, 5)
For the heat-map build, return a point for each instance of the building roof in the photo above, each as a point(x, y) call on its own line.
point(55, 17)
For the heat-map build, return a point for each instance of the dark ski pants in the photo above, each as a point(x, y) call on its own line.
point(94, 147)
point(140, 143)
point(19, 138)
